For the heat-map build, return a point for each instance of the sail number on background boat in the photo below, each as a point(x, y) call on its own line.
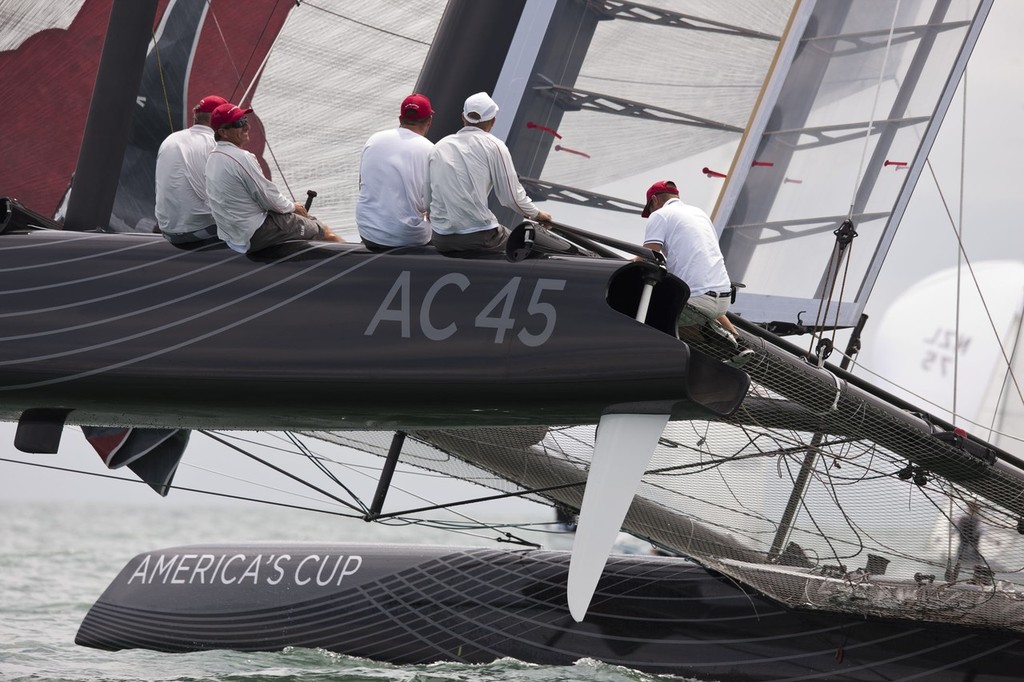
point(496, 314)
point(944, 344)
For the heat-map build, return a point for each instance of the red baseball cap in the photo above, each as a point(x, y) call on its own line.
point(416, 107)
point(660, 187)
point(208, 104)
point(226, 114)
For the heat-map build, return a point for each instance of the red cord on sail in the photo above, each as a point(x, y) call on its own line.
point(531, 124)
point(560, 148)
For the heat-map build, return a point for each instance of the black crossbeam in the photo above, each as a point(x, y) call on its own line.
point(551, 191)
point(574, 99)
point(634, 11)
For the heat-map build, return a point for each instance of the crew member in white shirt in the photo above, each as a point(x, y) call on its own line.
point(250, 211)
point(391, 211)
point(464, 168)
point(687, 238)
point(182, 211)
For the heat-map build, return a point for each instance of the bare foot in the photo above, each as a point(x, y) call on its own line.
point(329, 236)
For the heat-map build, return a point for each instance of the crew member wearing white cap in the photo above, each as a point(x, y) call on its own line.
point(250, 211)
point(182, 211)
point(464, 168)
point(391, 211)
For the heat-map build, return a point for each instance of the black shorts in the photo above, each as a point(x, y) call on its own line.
point(205, 234)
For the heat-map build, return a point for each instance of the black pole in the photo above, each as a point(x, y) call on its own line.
point(386, 472)
point(628, 247)
point(796, 496)
point(108, 126)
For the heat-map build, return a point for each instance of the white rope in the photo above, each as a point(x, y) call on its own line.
point(977, 286)
point(959, 256)
point(874, 107)
point(249, 88)
point(824, 306)
point(1000, 411)
point(224, 41)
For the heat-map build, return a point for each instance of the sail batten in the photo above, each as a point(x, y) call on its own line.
point(631, 11)
point(575, 98)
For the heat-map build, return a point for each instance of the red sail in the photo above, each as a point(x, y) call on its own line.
point(48, 81)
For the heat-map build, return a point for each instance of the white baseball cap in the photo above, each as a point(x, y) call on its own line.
point(479, 107)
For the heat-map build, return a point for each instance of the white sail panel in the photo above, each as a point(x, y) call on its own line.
point(846, 138)
point(674, 71)
point(336, 75)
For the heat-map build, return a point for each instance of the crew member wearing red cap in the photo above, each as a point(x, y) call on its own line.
point(182, 210)
point(391, 211)
point(687, 238)
point(250, 211)
point(464, 169)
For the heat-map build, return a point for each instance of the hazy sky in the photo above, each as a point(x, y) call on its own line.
point(992, 208)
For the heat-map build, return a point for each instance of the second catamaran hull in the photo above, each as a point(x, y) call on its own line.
point(414, 605)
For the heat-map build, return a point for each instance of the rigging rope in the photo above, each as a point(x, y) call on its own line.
point(308, 454)
point(977, 286)
point(256, 76)
point(839, 251)
point(845, 234)
point(959, 257)
point(201, 491)
point(163, 83)
point(224, 42)
point(874, 109)
point(360, 23)
point(998, 411)
point(212, 436)
point(392, 520)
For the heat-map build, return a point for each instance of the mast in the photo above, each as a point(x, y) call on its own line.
point(108, 126)
point(453, 69)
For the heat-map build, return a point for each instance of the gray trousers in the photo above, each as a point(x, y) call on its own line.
point(484, 241)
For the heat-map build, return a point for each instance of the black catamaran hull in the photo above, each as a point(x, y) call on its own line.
point(419, 604)
point(129, 330)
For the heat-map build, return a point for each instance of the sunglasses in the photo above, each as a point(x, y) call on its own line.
point(240, 123)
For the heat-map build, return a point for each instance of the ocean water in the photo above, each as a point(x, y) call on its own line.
point(57, 558)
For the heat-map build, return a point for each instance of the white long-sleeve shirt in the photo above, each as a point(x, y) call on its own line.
point(239, 195)
point(464, 167)
point(392, 178)
point(181, 204)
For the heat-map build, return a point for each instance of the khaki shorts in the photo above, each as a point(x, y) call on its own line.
point(284, 227)
point(703, 309)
